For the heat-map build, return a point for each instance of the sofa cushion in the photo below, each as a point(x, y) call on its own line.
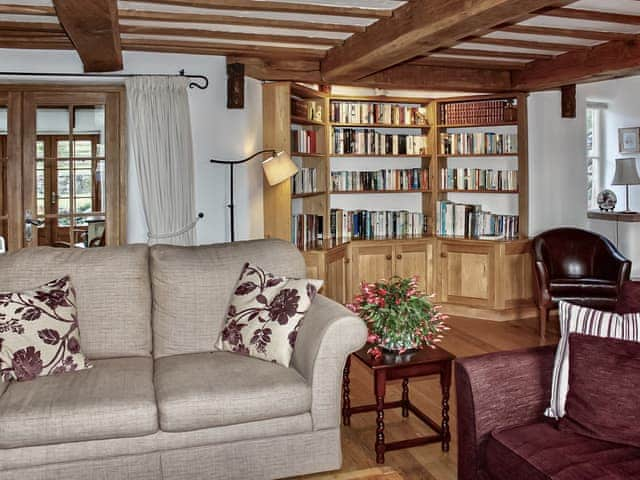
point(204, 390)
point(192, 287)
point(540, 451)
point(113, 399)
point(588, 321)
point(602, 402)
point(582, 287)
point(39, 332)
point(112, 289)
point(265, 314)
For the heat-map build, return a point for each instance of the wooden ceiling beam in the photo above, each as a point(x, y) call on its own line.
point(467, 63)
point(94, 30)
point(593, 15)
point(472, 52)
point(275, 6)
point(174, 17)
point(41, 10)
point(279, 70)
point(440, 78)
point(212, 48)
point(31, 27)
point(420, 27)
point(608, 60)
point(530, 44)
point(566, 32)
point(219, 34)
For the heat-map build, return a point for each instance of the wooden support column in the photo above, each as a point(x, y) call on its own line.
point(235, 85)
point(569, 101)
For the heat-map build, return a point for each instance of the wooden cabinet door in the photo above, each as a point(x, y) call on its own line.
point(415, 258)
point(336, 281)
point(370, 263)
point(467, 273)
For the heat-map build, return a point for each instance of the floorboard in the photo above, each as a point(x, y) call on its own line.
point(467, 337)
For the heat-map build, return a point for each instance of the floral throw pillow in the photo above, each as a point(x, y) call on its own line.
point(265, 314)
point(39, 333)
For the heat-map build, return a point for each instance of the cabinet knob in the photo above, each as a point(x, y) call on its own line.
point(389, 257)
point(443, 254)
point(347, 260)
point(399, 257)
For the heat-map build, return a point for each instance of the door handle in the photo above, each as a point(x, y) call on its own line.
point(29, 222)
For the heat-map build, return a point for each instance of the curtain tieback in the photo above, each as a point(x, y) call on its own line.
point(190, 226)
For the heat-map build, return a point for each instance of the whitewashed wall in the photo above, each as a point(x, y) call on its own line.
point(217, 132)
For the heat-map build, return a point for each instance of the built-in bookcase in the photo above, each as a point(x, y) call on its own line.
point(392, 154)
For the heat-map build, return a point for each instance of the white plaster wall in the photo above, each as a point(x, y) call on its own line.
point(217, 133)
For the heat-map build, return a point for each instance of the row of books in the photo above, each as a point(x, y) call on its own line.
point(369, 225)
point(478, 179)
point(307, 231)
point(479, 143)
point(383, 113)
point(380, 180)
point(485, 112)
point(304, 141)
point(309, 109)
point(470, 221)
point(369, 141)
point(305, 181)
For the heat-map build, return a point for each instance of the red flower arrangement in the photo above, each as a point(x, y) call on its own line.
point(398, 315)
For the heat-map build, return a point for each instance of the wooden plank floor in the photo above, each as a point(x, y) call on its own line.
point(467, 337)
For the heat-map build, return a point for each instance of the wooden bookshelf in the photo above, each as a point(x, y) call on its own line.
point(378, 125)
point(369, 192)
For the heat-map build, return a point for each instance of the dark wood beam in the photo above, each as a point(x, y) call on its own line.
point(94, 30)
point(532, 44)
point(274, 6)
point(31, 27)
point(235, 85)
point(604, 36)
point(432, 61)
point(608, 60)
point(568, 101)
point(419, 27)
point(472, 52)
point(279, 69)
point(594, 15)
point(130, 14)
point(221, 34)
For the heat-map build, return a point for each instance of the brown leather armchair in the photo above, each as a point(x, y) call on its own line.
point(578, 266)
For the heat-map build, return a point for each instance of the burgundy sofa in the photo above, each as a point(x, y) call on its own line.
point(503, 434)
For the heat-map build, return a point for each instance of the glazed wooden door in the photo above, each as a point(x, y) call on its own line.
point(73, 180)
point(10, 170)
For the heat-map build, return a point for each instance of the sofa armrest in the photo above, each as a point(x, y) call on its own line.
point(498, 390)
point(329, 333)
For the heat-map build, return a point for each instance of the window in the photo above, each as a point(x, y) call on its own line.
point(594, 153)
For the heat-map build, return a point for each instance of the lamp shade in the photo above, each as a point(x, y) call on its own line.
point(278, 168)
point(626, 172)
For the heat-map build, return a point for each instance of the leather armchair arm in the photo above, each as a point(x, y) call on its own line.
point(610, 264)
point(498, 390)
point(542, 284)
point(329, 333)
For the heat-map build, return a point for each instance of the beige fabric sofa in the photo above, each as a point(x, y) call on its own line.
point(160, 402)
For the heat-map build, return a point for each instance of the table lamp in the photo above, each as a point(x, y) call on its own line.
point(626, 174)
point(277, 168)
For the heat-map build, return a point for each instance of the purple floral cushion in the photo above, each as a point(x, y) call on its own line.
point(265, 314)
point(39, 333)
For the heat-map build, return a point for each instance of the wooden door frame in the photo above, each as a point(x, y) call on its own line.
point(113, 98)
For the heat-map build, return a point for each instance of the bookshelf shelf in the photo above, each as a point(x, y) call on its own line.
point(360, 192)
point(307, 195)
point(308, 155)
point(478, 125)
point(295, 120)
point(504, 192)
point(372, 155)
point(305, 92)
point(378, 125)
point(477, 155)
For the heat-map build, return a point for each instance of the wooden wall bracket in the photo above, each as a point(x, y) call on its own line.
point(235, 85)
point(568, 101)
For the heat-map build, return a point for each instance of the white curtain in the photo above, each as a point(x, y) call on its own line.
point(161, 148)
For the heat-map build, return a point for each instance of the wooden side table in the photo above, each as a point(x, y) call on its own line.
point(421, 363)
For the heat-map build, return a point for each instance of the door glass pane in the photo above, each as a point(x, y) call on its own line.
point(3, 175)
point(70, 177)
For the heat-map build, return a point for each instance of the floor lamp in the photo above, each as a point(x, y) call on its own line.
point(277, 168)
point(626, 174)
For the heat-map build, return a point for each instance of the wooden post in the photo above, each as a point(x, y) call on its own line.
point(568, 101)
point(235, 85)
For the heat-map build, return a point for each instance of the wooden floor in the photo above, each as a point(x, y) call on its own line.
point(467, 337)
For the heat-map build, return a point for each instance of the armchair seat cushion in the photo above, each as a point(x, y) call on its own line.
point(202, 390)
point(113, 399)
point(541, 452)
point(583, 287)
